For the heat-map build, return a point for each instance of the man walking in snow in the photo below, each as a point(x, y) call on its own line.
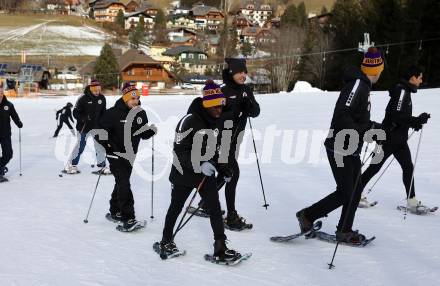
point(240, 105)
point(87, 112)
point(125, 116)
point(63, 116)
point(7, 111)
point(193, 134)
point(351, 119)
point(398, 119)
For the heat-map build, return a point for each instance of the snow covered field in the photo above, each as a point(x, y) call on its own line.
point(49, 38)
point(45, 242)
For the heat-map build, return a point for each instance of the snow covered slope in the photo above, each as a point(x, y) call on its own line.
point(45, 242)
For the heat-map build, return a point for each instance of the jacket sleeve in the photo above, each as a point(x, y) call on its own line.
point(15, 118)
point(251, 105)
point(58, 113)
point(350, 98)
point(399, 109)
point(79, 111)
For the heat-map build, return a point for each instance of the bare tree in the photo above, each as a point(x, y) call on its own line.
point(313, 62)
point(283, 63)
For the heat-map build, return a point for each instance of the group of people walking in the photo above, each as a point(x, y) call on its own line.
point(214, 125)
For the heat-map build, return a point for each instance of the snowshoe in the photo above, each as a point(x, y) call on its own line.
point(131, 225)
point(223, 255)
point(116, 218)
point(364, 203)
point(71, 170)
point(415, 207)
point(356, 240)
point(201, 212)
point(316, 226)
point(167, 250)
point(235, 222)
point(236, 260)
point(419, 210)
point(103, 171)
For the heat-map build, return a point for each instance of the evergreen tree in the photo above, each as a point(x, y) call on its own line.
point(347, 28)
point(91, 14)
point(246, 49)
point(120, 20)
point(106, 68)
point(294, 16)
point(228, 42)
point(160, 27)
point(137, 36)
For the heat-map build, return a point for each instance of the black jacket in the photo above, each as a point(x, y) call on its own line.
point(398, 114)
point(352, 109)
point(65, 114)
point(88, 109)
point(7, 111)
point(115, 120)
point(240, 104)
point(196, 120)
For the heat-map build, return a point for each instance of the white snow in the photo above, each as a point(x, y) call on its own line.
point(52, 39)
point(303, 86)
point(45, 242)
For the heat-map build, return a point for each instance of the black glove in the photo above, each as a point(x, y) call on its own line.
point(20, 124)
point(225, 171)
point(246, 105)
point(152, 131)
point(423, 118)
point(418, 126)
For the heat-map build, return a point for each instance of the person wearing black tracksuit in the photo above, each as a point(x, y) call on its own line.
point(240, 105)
point(7, 111)
point(87, 112)
point(121, 155)
point(398, 119)
point(189, 171)
point(351, 113)
point(63, 116)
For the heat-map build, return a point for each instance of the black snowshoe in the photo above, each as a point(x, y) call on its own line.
point(116, 218)
point(167, 250)
point(224, 256)
point(235, 222)
point(131, 225)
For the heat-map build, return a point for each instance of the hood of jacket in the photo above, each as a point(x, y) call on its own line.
point(353, 73)
point(229, 81)
point(197, 108)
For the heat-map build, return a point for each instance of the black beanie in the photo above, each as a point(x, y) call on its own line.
point(236, 65)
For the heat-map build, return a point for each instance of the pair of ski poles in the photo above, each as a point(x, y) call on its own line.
point(152, 185)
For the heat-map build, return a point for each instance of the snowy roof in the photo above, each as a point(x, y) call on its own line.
point(133, 56)
point(137, 13)
point(203, 10)
point(180, 39)
point(182, 49)
point(106, 3)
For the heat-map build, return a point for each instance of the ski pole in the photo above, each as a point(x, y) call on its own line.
point(331, 265)
point(414, 169)
point(152, 177)
point(258, 165)
point(19, 147)
point(179, 226)
point(386, 168)
point(93, 197)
